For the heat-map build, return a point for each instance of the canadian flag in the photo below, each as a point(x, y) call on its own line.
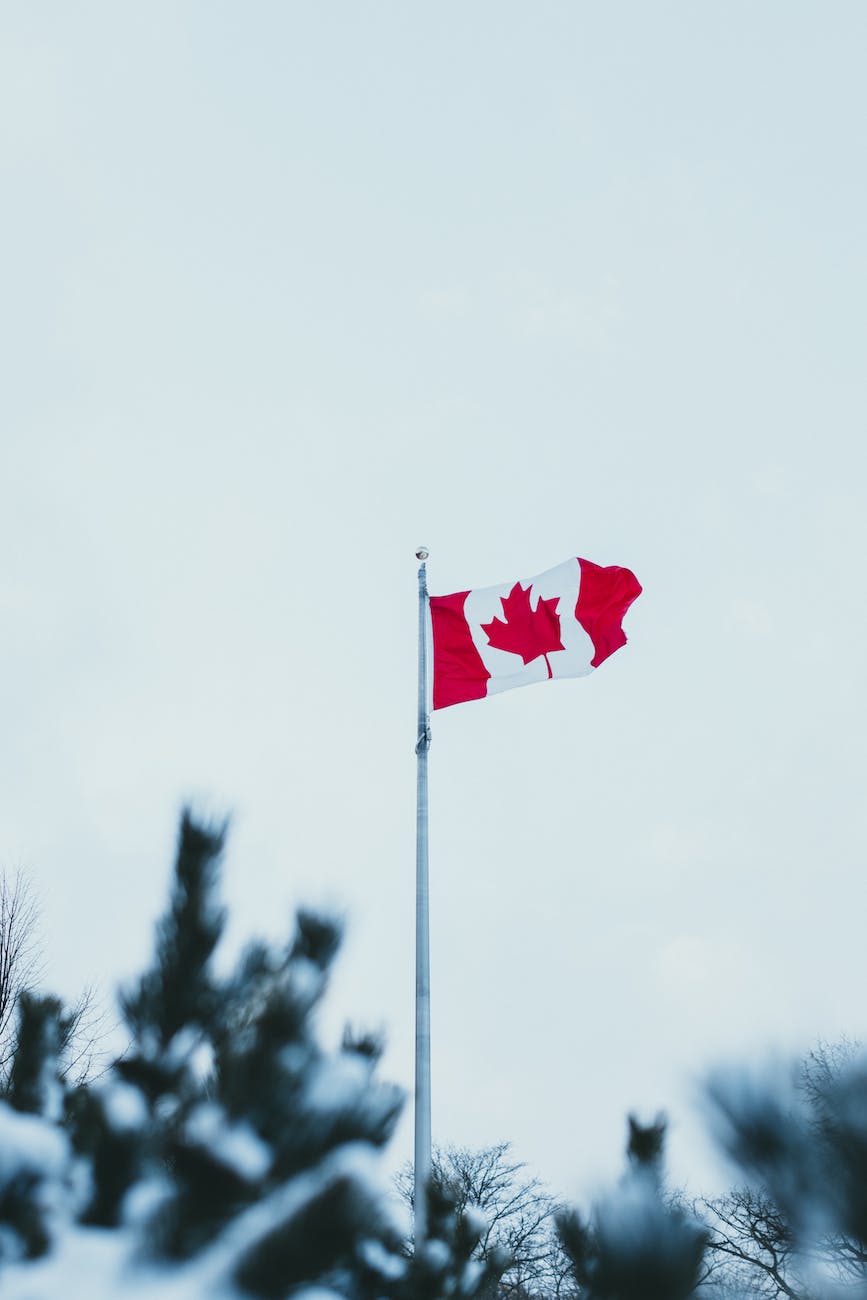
point(563, 623)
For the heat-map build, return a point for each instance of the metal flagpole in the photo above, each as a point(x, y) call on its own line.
point(422, 928)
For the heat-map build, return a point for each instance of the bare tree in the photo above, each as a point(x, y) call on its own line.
point(84, 1024)
point(751, 1241)
point(85, 1029)
point(20, 957)
point(519, 1216)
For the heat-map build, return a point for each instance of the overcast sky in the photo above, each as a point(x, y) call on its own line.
point(290, 288)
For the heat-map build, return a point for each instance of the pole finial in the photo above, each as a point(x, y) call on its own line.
point(422, 553)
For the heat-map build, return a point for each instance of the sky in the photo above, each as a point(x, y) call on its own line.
point(289, 289)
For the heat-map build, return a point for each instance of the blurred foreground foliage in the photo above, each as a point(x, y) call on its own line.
point(228, 1153)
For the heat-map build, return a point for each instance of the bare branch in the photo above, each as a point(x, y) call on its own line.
point(85, 1025)
point(21, 965)
point(519, 1213)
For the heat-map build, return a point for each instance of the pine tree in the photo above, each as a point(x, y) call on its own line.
point(636, 1245)
point(801, 1143)
point(31, 1150)
point(450, 1262)
point(226, 1143)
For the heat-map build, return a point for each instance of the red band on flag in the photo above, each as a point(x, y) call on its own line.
point(604, 597)
point(459, 673)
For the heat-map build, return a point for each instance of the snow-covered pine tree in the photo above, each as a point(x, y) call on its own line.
point(227, 1151)
point(31, 1151)
point(451, 1263)
point(34, 1079)
point(491, 1189)
point(636, 1245)
point(260, 1141)
point(801, 1144)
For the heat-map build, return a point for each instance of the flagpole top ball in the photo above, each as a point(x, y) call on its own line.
point(422, 553)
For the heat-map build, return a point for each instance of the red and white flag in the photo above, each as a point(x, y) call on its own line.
point(563, 623)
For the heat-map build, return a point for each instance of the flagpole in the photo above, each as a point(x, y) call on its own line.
point(422, 1164)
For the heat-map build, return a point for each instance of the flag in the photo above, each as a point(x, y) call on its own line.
point(563, 623)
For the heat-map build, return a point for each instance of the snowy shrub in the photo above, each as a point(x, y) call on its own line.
point(226, 1152)
point(636, 1244)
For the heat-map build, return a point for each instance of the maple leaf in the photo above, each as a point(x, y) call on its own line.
point(526, 632)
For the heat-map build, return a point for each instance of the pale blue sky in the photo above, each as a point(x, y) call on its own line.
point(288, 288)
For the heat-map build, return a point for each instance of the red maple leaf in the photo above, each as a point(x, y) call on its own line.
point(527, 632)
